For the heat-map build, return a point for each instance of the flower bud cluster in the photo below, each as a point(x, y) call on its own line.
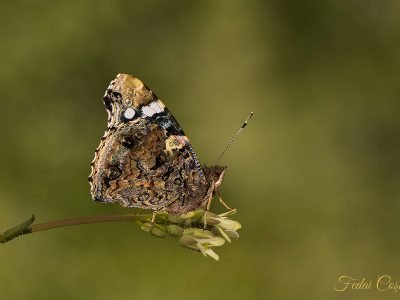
point(197, 230)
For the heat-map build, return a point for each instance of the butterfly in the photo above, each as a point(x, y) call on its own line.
point(145, 159)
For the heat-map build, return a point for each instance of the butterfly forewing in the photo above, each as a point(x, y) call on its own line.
point(144, 158)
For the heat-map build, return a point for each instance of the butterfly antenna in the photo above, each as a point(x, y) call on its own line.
point(234, 137)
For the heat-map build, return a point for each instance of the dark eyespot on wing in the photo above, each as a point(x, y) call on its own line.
point(116, 95)
point(129, 142)
point(166, 175)
point(160, 160)
point(107, 103)
point(107, 181)
point(115, 172)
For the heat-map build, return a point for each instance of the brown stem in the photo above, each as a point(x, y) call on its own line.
point(27, 227)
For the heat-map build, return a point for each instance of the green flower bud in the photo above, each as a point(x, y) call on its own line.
point(215, 241)
point(187, 240)
point(189, 229)
point(146, 226)
point(232, 234)
point(211, 219)
point(208, 251)
point(175, 219)
point(224, 235)
point(198, 232)
point(189, 215)
point(175, 230)
point(188, 223)
point(158, 231)
point(227, 224)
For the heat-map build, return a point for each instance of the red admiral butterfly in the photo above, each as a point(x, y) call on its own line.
point(145, 159)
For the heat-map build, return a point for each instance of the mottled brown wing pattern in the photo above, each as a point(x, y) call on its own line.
point(144, 159)
point(135, 169)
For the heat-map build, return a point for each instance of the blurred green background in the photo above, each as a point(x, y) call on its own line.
point(315, 176)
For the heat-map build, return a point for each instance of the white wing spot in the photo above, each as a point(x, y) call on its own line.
point(156, 106)
point(129, 113)
point(148, 111)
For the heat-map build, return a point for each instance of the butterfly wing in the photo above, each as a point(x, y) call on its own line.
point(144, 159)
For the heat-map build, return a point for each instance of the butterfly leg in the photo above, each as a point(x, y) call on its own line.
point(153, 218)
point(207, 210)
point(155, 212)
point(222, 201)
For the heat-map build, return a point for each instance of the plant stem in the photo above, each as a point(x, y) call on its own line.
point(27, 227)
point(83, 220)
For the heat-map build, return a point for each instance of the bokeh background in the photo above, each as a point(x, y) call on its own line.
point(315, 175)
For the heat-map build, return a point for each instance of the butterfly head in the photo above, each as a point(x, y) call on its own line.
point(216, 174)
